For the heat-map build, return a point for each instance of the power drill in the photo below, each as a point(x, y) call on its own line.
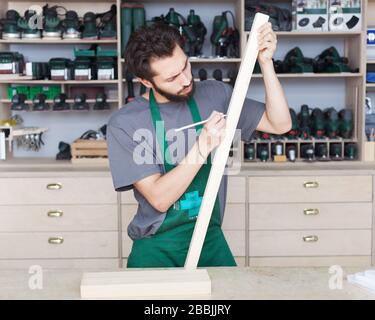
point(225, 39)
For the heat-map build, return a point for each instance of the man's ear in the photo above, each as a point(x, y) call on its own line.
point(146, 83)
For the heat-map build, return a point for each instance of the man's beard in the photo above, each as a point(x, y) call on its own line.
point(176, 97)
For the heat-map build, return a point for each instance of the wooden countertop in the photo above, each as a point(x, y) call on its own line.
point(227, 283)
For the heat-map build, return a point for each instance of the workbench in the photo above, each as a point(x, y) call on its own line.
point(227, 284)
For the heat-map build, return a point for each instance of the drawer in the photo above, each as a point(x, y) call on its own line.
point(234, 217)
point(80, 264)
point(236, 242)
point(310, 189)
point(327, 243)
point(235, 239)
point(235, 192)
point(58, 218)
point(83, 190)
point(298, 216)
point(74, 245)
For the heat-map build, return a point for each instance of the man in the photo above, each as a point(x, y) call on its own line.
point(169, 192)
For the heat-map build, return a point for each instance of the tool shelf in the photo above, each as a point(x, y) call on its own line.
point(353, 44)
point(297, 143)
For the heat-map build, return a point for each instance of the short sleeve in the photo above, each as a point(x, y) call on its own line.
point(251, 114)
point(126, 169)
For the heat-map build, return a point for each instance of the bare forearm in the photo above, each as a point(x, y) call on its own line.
point(277, 108)
point(171, 186)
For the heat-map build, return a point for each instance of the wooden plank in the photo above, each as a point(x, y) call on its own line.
point(151, 283)
point(222, 152)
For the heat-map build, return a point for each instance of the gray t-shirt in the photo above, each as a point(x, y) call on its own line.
point(209, 95)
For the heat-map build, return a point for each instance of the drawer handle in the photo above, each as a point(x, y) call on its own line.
point(56, 240)
point(311, 184)
point(54, 186)
point(310, 212)
point(310, 238)
point(55, 213)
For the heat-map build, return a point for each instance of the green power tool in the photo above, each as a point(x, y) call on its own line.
point(104, 29)
point(52, 23)
point(132, 18)
point(317, 123)
point(39, 103)
point(90, 30)
point(10, 28)
point(108, 26)
point(71, 25)
point(350, 151)
point(304, 122)
point(329, 61)
point(262, 152)
point(293, 132)
point(29, 25)
point(249, 151)
point(331, 122)
point(18, 102)
point(346, 123)
point(191, 29)
point(295, 62)
point(101, 102)
point(321, 152)
point(225, 39)
point(307, 152)
point(335, 151)
point(176, 20)
point(199, 30)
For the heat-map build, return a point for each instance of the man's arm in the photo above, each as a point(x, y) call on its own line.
point(161, 191)
point(276, 118)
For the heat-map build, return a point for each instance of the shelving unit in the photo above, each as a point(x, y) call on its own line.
point(25, 45)
point(353, 46)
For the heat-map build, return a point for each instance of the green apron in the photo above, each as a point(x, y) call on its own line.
point(169, 246)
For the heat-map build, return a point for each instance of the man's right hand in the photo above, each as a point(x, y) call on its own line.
point(212, 134)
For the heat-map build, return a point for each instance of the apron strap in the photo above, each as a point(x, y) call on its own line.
point(156, 116)
point(160, 135)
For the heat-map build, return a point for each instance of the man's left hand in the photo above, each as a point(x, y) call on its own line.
point(266, 43)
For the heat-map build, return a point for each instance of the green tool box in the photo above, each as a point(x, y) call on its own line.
point(31, 92)
point(13, 90)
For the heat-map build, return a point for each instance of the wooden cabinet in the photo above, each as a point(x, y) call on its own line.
point(49, 245)
point(310, 189)
point(54, 220)
point(57, 190)
point(271, 220)
point(292, 218)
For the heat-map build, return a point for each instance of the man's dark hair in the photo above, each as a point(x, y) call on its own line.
point(155, 41)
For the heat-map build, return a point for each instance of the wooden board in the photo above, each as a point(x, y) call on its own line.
point(151, 283)
point(222, 152)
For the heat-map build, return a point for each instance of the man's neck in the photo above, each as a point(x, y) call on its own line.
point(158, 97)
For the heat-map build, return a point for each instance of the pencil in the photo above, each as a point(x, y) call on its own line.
point(193, 124)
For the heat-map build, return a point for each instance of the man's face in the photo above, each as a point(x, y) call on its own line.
point(173, 78)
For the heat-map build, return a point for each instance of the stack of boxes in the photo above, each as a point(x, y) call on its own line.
point(327, 15)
